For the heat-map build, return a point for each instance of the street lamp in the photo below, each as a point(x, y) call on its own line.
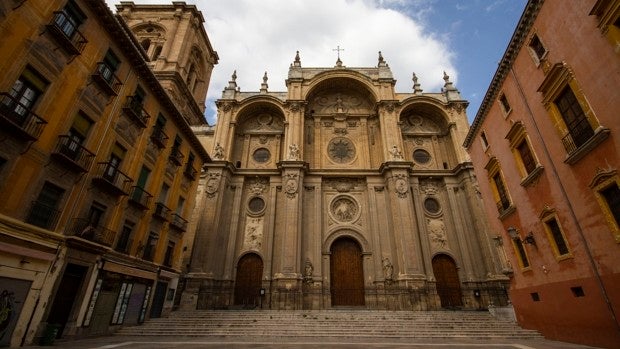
point(514, 234)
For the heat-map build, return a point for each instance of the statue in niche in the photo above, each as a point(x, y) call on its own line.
point(308, 271)
point(293, 152)
point(388, 270)
point(437, 232)
point(396, 153)
point(339, 105)
point(218, 151)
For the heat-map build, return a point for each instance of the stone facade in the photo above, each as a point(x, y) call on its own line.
point(341, 160)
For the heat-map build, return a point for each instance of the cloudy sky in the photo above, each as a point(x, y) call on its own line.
point(465, 38)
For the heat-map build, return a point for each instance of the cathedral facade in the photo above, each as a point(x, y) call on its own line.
point(341, 191)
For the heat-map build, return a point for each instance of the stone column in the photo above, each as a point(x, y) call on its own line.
point(408, 259)
point(287, 279)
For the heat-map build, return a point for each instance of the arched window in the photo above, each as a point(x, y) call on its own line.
point(157, 52)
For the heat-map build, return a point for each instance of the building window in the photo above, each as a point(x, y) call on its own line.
point(149, 249)
point(537, 49)
point(159, 137)
point(124, 241)
point(608, 21)
point(498, 187)
point(483, 139)
point(503, 102)
point(95, 214)
point(421, 156)
point(44, 211)
point(571, 114)
point(525, 158)
point(105, 74)
point(113, 166)
point(606, 186)
point(579, 129)
point(521, 254)
point(555, 235)
point(261, 155)
point(168, 257)
point(24, 94)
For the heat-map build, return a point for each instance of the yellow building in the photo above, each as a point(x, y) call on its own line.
point(98, 164)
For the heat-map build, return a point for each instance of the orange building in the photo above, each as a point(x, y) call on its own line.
point(98, 164)
point(545, 144)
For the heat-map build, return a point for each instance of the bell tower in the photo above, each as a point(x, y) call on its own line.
point(179, 51)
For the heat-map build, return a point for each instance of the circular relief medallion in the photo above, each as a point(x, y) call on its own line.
point(341, 150)
point(344, 209)
point(261, 155)
point(432, 205)
point(256, 205)
point(421, 156)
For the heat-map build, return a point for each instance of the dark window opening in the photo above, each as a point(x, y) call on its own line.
point(504, 102)
point(124, 241)
point(522, 254)
point(611, 194)
point(485, 142)
point(578, 291)
point(503, 203)
point(558, 238)
point(537, 46)
point(44, 212)
point(535, 296)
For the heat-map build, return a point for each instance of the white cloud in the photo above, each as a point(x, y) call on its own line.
point(257, 36)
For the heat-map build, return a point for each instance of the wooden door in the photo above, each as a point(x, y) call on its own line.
point(158, 299)
point(448, 284)
point(248, 281)
point(347, 273)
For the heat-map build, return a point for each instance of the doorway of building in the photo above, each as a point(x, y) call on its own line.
point(66, 294)
point(248, 281)
point(158, 299)
point(346, 273)
point(448, 284)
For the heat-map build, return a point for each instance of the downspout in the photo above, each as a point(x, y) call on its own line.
point(582, 237)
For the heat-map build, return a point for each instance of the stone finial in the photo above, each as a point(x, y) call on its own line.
point(416, 85)
point(297, 62)
point(448, 86)
point(264, 86)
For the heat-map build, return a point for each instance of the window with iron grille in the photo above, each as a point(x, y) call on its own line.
point(526, 156)
point(44, 211)
point(504, 202)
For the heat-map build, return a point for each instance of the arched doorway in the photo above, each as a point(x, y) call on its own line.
point(347, 273)
point(448, 284)
point(248, 281)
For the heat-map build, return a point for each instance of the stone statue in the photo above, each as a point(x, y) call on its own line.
point(388, 270)
point(218, 151)
point(293, 152)
point(396, 153)
point(308, 271)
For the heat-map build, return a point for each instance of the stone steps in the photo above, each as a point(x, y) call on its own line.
point(331, 324)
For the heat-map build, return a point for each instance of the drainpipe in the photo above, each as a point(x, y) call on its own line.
point(580, 233)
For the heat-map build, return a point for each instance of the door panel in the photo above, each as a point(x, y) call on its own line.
point(347, 273)
point(448, 284)
point(248, 281)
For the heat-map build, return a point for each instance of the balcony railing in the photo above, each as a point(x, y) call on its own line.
point(84, 229)
point(178, 222)
point(161, 211)
point(19, 119)
point(135, 109)
point(65, 31)
point(42, 215)
point(502, 206)
point(140, 197)
point(579, 133)
point(190, 172)
point(159, 137)
point(176, 157)
point(107, 80)
point(72, 154)
point(111, 179)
